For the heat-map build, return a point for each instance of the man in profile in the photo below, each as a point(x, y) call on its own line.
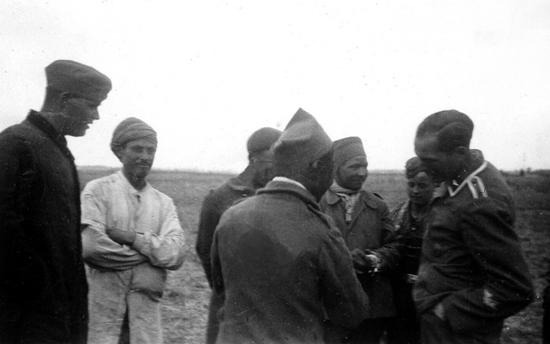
point(131, 237)
point(472, 273)
point(256, 175)
point(278, 263)
point(43, 289)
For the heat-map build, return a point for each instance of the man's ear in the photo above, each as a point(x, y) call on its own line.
point(63, 98)
point(118, 152)
point(316, 164)
point(462, 151)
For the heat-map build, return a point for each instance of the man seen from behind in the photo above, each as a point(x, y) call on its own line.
point(278, 263)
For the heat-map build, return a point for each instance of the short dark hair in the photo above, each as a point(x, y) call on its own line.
point(451, 127)
point(414, 166)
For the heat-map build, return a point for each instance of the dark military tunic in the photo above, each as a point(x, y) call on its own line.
point(214, 205)
point(281, 267)
point(409, 232)
point(471, 257)
point(43, 289)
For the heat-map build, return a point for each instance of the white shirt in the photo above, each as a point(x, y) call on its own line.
point(113, 202)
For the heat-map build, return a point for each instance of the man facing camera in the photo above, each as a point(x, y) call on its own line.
point(278, 263)
point(131, 237)
point(472, 274)
point(364, 220)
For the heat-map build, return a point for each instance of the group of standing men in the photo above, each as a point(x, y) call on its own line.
point(294, 248)
point(313, 257)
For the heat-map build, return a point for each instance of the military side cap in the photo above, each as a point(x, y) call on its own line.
point(347, 148)
point(262, 139)
point(303, 139)
point(78, 79)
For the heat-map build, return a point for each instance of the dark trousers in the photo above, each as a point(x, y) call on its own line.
point(546, 326)
point(437, 331)
point(370, 331)
point(213, 324)
point(404, 328)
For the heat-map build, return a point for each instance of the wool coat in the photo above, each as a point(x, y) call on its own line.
point(471, 260)
point(43, 289)
point(214, 205)
point(281, 268)
point(370, 228)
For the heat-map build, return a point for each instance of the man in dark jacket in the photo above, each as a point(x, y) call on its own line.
point(364, 220)
point(472, 273)
point(43, 289)
point(278, 263)
point(256, 175)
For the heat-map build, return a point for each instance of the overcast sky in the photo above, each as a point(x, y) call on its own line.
point(207, 74)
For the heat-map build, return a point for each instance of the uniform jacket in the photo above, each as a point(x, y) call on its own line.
point(213, 206)
point(409, 233)
point(282, 267)
point(471, 257)
point(43, 289)
point(370, 228)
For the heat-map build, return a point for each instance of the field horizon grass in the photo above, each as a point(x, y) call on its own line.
point(185, 301)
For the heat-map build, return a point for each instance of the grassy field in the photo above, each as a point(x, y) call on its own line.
point(185, 302)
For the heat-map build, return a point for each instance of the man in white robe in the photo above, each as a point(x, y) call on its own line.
point(131, 237)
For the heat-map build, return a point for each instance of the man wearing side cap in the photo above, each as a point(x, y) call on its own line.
point(131, 237)
point(364, 220)
point(278, 262)
point(43, 289)
point(256, 175)
point(472, 273)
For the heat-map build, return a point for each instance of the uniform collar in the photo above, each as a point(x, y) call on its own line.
point(472, 181)
point(41, 123)
point(237, 185)
point(281, 186)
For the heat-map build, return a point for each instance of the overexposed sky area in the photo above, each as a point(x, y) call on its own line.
point(206, 74)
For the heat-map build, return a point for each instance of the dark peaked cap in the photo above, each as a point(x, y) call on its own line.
point(78, 79)
point(346, 149)
point(262, 139)
point(303, 140)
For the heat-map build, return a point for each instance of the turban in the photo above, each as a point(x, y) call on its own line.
point(347, 148)
point(132, 129)
point(302, 141)
point(78, 79)
point(413, 166)
point(262, 139)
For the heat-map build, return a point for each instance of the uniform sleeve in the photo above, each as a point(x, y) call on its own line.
point(389, 250)
point(488, 232)
point(209, 218)
point(97, 248)
point(16, 175)
point(344, 300)
point(166, 249)
point(216, 273)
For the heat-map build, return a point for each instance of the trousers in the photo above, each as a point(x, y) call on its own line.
point(110, 298)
